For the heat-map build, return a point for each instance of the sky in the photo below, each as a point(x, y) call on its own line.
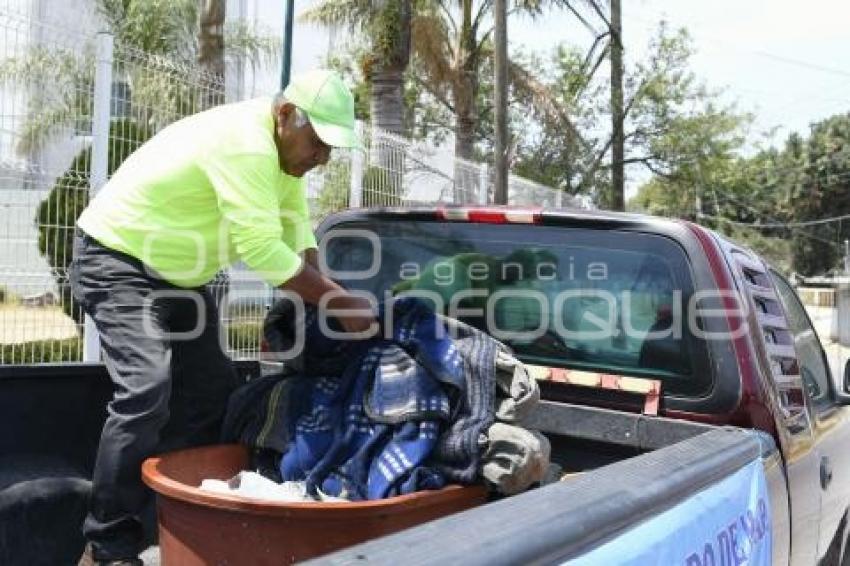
point(786, 61)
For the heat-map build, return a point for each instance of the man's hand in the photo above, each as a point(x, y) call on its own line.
point(357, 315)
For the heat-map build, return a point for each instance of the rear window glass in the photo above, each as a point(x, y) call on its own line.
point(560, 297)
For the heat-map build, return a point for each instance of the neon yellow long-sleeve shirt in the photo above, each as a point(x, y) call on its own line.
point(204, 192)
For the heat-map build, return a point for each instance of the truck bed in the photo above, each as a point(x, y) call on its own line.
point(634, 466)
point(619, 467)
point(566, 520)
point(598, 450)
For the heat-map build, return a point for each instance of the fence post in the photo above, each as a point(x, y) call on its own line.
point(483, 187)
point(99, 167)
point(355, 197)
point(559, 199)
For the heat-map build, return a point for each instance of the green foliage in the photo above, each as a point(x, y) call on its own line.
point(559, 108)
point(387, 32)
point(162, 27)
point(806, 180)
point(381, 24)
point(347, 64)
point(57, 214)
point(157, 42)
point(447, 85)
point(673, 127)
point(260, 50)
point(819, 189)
point(382, 187)
point(44, 351)
point(546, 150)
point(333, 12)
point(60, 82)
point(244, 334)
point(335, 190)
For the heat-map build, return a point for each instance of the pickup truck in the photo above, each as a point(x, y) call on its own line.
point(740, 459)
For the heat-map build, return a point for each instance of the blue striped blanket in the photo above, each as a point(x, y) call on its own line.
point(399, 413)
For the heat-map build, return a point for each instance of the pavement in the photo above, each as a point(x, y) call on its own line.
point(20, 324)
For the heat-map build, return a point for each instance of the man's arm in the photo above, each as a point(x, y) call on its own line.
point(311, 286)
point(311, 258)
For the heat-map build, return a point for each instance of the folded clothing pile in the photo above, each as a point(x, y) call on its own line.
point(430, 401)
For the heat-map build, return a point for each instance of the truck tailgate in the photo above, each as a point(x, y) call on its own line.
point(569, 521)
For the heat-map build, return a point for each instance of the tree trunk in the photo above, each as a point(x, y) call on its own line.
point(211, 50)
point(465, 120)
point(466, 178)
point(387, 104)
point(618, 178)
point(465, 86)
point(384, 182)
point(465, 90)
point(500, 103)
point(389, 65)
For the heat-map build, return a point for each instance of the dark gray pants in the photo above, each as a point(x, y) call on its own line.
point(170, 392)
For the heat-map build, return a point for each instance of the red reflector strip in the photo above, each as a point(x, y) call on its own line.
point(487, 216)
point(490, 216)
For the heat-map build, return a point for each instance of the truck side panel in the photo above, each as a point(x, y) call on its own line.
point(812, 429)
point(563, 521)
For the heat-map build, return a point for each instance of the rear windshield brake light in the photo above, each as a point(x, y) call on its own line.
point(490, 215)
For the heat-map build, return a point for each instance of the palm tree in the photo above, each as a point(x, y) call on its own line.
point(451, 47)
point(387, 24)
point(452, 43)
point(211, 45)
point(164, 56)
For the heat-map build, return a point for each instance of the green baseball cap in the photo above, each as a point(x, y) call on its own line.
point(329, 105)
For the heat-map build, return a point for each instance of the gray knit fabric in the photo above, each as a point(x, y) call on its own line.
point(516, 391)
point(515, 459)
point(458, 451)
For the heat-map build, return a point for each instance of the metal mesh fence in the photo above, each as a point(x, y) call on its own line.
point(58, 146)
point(395, 171)
point(46, 82)
point(522, 192)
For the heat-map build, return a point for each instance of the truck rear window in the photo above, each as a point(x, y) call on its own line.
point(596, 300)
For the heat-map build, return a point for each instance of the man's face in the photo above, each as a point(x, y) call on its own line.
point(299, 149)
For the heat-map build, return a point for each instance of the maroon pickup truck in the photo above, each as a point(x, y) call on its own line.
point(739, 348)
point(746, 395)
